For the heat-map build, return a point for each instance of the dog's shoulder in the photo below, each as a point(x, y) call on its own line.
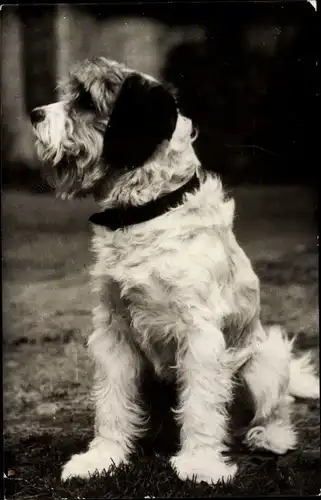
point(210, 204)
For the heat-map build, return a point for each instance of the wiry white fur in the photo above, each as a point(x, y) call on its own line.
point(304, 382)
point(270, 357)
point(53, 132)
point(205, 389)
point(267, 375)
point(176, 288)
point(179, 292)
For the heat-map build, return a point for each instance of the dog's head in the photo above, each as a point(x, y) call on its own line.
point(108, 119)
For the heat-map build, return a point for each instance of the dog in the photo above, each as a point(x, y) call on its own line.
point(175, 290)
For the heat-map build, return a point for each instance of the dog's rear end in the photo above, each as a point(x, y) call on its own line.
point(275, 376)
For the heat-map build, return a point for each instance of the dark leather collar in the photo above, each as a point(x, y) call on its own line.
point(123, 216)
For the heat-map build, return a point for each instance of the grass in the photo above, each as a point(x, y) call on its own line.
point(47, 375)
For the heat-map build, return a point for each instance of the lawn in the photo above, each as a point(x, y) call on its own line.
point(47, 375)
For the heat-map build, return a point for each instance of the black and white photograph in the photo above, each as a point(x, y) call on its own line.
point(160, 288)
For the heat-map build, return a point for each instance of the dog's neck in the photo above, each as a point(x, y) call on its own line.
point(170, 168)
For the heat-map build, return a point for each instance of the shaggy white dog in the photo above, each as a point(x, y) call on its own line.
point(174, 287)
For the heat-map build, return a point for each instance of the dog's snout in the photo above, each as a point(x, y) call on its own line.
point(37, 115)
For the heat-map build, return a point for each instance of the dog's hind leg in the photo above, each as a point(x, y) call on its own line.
point(119, 418)
point(267, 377)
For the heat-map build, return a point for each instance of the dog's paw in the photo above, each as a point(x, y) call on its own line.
point(276, 437)
point(203, 466)
point(97, 459)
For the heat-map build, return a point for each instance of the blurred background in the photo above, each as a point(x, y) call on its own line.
point(246, 75)
point(245, 71)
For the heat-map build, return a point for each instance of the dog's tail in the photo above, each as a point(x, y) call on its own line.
point(276, 354)
point(304, 382)
point(303, 379)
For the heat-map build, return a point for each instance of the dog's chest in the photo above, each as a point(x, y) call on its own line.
point(157, 279)
point(164, 276)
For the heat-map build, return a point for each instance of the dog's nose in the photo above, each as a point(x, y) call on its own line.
point(37, 115)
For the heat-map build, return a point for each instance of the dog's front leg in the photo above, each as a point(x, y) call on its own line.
point(205, 381)
point(118, 418)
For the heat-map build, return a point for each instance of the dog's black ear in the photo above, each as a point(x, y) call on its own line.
point(144, 115)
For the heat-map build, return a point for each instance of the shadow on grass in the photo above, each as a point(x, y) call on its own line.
point(33, 464)
point(37, 463)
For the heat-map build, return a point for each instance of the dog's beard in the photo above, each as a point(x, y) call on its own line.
point(71, 156)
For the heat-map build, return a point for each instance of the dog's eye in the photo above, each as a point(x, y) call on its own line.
point(84, 101)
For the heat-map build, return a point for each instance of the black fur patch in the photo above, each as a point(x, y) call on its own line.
point(144, 115)
point(84, 100)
